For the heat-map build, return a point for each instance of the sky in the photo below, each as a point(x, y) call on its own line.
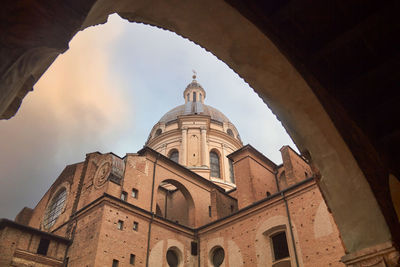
point(106, 93)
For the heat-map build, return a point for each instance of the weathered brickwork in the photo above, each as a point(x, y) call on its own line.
point(19, 246)
point(146, 209)
point(109, 228)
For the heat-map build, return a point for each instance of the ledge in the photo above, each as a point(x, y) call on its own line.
point(8, 223)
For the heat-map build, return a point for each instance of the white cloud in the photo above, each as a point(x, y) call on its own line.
point(106, 93)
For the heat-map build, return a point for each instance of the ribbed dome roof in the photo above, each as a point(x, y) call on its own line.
point(192, 108)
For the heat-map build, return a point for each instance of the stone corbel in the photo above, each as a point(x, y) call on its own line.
point(382, 255)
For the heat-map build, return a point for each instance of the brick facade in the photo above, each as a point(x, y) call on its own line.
point(240, 221)
point(223, 204)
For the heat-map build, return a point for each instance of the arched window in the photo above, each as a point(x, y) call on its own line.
point(194, 97)
point(174, 156)
point(214, 165)
point(188, 97)
point(55, 208)
point(200, 97)
point(229, 131)
point(231, 173)
point(158, 132)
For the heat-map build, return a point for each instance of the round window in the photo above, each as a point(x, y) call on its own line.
point(217, 256)
point(172, 258)
point(55, 208)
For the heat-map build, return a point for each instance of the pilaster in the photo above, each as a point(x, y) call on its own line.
point(183, 155)
point(204, 146)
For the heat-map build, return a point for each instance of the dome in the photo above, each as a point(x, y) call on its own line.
point(194, 108)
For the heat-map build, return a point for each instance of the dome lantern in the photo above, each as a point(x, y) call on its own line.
point(194, 92)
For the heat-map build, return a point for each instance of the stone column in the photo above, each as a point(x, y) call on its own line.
point(204, 147)
point(183, 154)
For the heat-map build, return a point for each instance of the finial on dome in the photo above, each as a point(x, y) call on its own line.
point(194, 74)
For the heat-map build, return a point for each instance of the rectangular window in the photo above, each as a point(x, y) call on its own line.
point(115, 263)
point(136, 226)
point(193, 248)
point(132, 259)
point(43, 246)
point(124, 195)
point(135, 193)
point(120, 225)
point(280, 246)
point(209, 211)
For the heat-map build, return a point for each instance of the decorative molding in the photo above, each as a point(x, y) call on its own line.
point(382, 255)
point(102, 174)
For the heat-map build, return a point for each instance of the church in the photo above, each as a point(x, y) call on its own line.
point(194, 195)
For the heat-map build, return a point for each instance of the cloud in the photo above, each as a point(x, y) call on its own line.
point(105, 94)
point(73, 110)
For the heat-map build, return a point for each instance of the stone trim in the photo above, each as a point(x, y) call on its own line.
point(382, 255)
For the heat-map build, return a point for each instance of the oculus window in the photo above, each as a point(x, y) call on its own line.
point(229, 132)
point(158, 132)
point(172, 258)
point(217, 256)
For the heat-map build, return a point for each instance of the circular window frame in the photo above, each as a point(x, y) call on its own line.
point(66, 187)
point(211, 255)
point(178, 253)
point(230, 132)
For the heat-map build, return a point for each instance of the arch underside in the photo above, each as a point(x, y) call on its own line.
point(175, 203)
point(221, 29)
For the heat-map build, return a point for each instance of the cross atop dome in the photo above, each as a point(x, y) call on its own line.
point(194, 75)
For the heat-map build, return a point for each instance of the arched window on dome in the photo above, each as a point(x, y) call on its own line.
point(229, 132)
point(231, 173)
point(214, 165)
point(194, 97)
point(200, 97)
point(158, 132)
point(188, 97)
point(174, 155)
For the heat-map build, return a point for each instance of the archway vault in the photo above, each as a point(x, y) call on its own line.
point(176, 198)
point(215, 25)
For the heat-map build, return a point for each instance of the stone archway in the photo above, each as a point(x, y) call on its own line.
point(175, 202)
point(219, 28)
